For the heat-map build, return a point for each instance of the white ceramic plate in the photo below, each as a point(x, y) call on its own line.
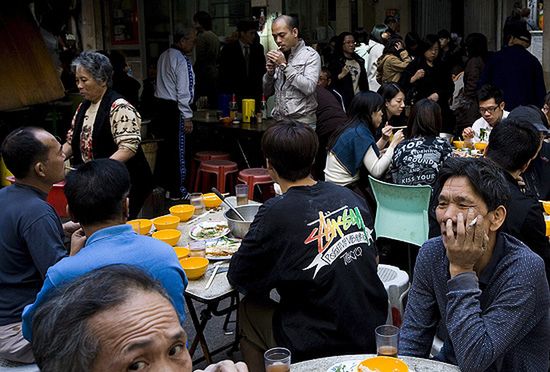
point(223, 243)
point(209, 230)
point(346, 366)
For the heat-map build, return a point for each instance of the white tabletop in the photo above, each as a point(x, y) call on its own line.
point(414, 364)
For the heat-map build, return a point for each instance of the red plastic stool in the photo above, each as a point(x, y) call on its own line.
point(253, 177)
point(56, 197)
point(221, 168)
point(205, 155)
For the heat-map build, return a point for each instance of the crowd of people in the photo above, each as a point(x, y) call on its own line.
point(114, 300)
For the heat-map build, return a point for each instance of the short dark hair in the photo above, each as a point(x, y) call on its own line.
point(290, 148)
point(326, 71)
point(444, 34)
point(96, 190)
point(425, 119)
point(489, 91)
point(513, 143)
point(62, 338)
point(390, 19)
point(21, 150)
point(204, 19)
point(291, 21)
point(247, 25)
point(487, 179)
point(476, 45)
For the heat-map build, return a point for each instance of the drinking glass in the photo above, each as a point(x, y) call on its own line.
point(387, 339)
point(277, 360)
point(196, 200)
point(241, 192)
point(197, 248)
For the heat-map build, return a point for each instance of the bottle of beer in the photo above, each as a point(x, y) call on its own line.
point(264, 108)
point(233, 107)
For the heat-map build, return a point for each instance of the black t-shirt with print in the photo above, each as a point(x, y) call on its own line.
point(416, 161)
point(315, 245)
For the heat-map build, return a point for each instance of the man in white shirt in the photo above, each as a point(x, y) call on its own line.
point(175, 91)
point(491, 108)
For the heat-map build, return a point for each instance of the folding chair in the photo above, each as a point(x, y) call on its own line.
point(401, 213)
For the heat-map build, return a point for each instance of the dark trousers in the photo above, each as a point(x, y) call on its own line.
point(170, 168)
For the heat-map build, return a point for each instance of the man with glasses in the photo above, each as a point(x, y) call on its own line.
point(491, 108)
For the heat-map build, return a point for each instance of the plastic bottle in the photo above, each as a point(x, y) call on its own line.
point(233, 107)
point(264, 108)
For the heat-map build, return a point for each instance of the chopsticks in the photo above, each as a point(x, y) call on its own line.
point(397, 128)
point(211, 279)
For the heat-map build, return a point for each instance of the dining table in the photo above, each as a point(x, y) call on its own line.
point(348, 363)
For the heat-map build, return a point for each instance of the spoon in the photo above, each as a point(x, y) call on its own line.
point(219, 194)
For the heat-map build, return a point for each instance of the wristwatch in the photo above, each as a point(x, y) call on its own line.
point(283, 65)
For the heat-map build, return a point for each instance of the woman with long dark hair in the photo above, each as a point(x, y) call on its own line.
point(393, 61)
point(424, 77)
point(353, 151)
point(394, 104)
point(416, 160)
point(347, 69)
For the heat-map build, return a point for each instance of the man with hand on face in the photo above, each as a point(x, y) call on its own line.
point(292, 73)
point(114, 319)
point(485, 289)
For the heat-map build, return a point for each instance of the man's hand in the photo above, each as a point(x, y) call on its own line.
point(225, 366)
point(188, 126)
point(467, 245)
point(78, 239)
point(468, 132)
point(70, 227)
point(276, 57)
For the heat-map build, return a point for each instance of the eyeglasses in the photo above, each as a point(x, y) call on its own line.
point(490, 109)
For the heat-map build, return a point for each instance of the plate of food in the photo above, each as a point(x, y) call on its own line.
point(346, 366)
point(209, 230)
point(222, 248)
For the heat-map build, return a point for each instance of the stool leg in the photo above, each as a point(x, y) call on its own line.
point(250, 183)
point(197, 179)
point(221, 180)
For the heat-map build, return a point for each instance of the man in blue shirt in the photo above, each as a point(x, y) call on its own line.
point(484, 288)
point(31, 232)
point(97, 196)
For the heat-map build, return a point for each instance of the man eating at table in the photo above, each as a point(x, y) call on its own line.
point(315, 245)
point(491, 108)
point(485, 289)
point(97, 197)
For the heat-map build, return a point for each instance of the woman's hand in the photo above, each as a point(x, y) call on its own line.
point(434, 97)
point(419, 74)
point(397, 138)
point(343, 74)
point(387, 132)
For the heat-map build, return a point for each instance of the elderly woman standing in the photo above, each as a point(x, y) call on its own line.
point(105, 125)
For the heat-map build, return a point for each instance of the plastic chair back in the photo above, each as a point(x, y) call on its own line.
point(402, 211)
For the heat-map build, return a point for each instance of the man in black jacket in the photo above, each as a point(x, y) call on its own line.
point(242, 64)
point(513, 144)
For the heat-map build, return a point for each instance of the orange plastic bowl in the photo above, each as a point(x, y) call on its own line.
point(480, 146)
point(384, 364)
point(169, 236)
point(458, 144)
point(183, 211)
point(547, 227)
point(194, 267)
point(166, 222)
point(546, 206)
point(182, 252)
point(211, 200)
point(141, 225)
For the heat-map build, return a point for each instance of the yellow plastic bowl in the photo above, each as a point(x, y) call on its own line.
point(384, 364)
point(546, 206)
point(166, 222)
point(183, 211)
point(480, 146)
point(182, 252)
point(194, 267)
point(547, 227)
point(141, 225)
point(170, 236)
point(458, 144)
point(211, 200)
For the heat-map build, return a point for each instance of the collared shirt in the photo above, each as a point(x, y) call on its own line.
point(176, 80)
point(294, 86)
point(499, 322)
point(113, 246)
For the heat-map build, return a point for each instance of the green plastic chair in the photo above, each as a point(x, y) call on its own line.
point(402, 212)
